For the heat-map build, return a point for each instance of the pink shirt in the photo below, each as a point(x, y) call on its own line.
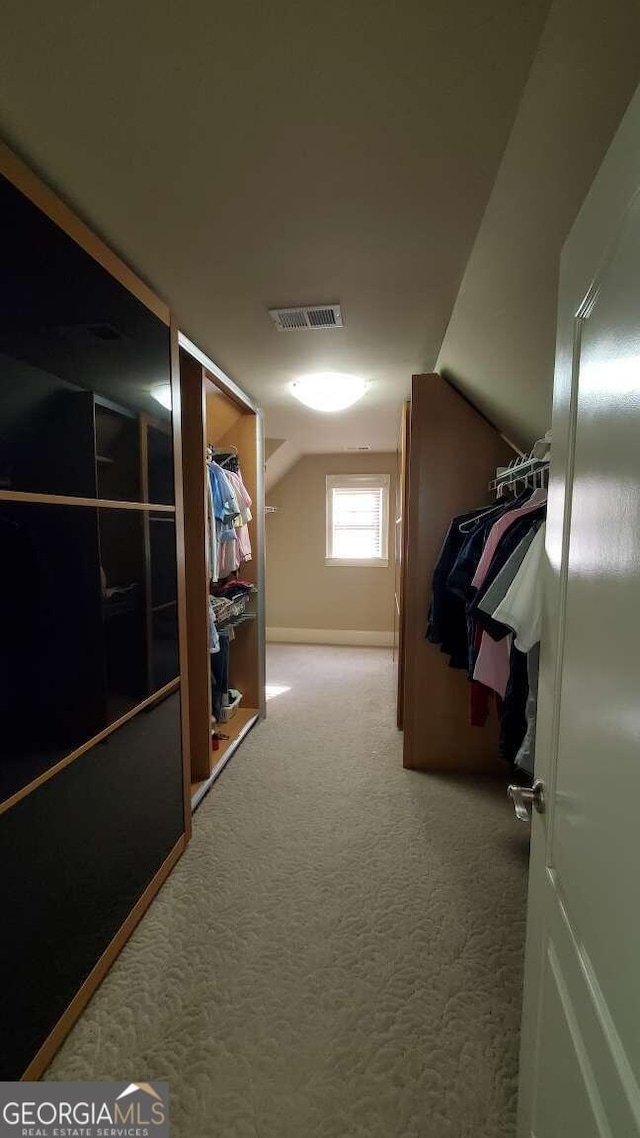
point(244, 501)
point(537, 499)
point(493, 664)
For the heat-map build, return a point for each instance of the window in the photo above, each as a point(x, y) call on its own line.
point(357, 519)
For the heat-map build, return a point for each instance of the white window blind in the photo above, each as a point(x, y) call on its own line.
point(357, 519)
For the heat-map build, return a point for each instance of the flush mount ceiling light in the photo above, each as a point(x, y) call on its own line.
point(162, 395)
point(329, 390)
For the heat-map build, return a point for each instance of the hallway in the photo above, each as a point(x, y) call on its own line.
point(339, 951)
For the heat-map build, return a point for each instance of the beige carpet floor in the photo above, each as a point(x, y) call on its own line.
point(339, 951)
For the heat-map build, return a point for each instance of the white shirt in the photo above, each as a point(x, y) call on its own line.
point(521, 607)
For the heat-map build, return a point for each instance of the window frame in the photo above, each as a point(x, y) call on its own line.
point(360, 482)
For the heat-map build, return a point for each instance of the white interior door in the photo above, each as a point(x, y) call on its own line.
point(580, 1059)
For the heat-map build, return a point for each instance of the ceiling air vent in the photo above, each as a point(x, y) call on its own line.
point(307, 317)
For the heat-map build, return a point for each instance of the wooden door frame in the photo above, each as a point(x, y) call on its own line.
point(197, 371)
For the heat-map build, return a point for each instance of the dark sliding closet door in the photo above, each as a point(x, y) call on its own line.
point(91, 778)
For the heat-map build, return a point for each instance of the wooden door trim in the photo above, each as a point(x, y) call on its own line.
point(260, 554)
point(68, 500)
point(217, 375)
point(192, 389)
point(183, 646)
point(403, 520)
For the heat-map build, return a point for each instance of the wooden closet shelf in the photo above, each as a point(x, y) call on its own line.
point(68, 500)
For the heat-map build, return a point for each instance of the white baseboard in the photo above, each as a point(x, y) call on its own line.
point(352, 636)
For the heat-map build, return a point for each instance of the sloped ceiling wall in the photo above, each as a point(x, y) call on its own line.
point(500, 344)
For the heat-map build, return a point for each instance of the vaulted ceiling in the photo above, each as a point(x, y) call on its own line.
point(252, 154)
point(500, 344)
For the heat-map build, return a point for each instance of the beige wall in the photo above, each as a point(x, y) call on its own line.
point(499, 347)
point(303, 592)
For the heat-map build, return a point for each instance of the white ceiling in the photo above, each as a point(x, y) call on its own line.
point(253, 154)
point(246, 155)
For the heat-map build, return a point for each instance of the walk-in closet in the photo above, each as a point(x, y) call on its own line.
point(486, 605)
point(224, 536)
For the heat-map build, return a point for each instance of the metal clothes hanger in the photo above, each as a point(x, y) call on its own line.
point(215, 453)
point(466, 527)
point(230, 458)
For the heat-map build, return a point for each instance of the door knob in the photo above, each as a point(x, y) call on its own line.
point(523, 797)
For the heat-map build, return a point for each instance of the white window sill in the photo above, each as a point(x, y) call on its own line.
point(359, 563)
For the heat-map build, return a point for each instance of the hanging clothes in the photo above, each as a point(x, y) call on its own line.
point(223, 497)
point(227, 504)
point(229, 560)
point(537, 500)
point(244, 516)
point(475, 535)
point(521, 607)
point(525, 756)
point(513, 719)
point(524, 596)
point(520, 611)
point(451, 589)
point(485, 610)
point(230, 509)
point(493, 591)
point(493, 661)
point(229, 545)
point(447, 621)
point(212, 537)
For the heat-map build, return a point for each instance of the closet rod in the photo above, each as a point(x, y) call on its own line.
point(517, 471)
